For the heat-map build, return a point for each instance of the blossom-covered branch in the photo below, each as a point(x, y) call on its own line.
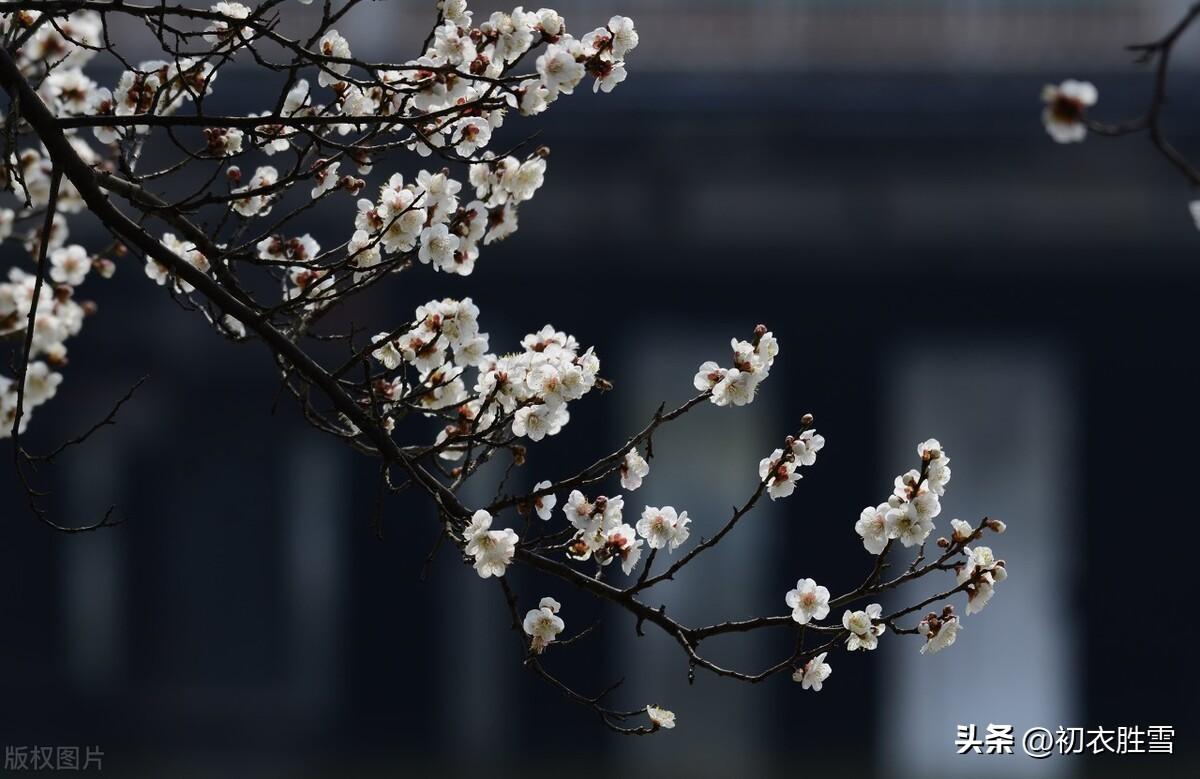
point(1066, 118)
point(212, 207)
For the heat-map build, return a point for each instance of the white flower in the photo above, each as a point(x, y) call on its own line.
point(624, 37)
point(663, 527)
point(872, 526)
point(70, 265)
point(438, 246)
point(559, 71)
point(623, 542)
point(660, 718)
point(387, 354)
point(783, 474)
point(608, 75)
point(544, 504)
point(581, 512)
point(325, 178)
point(982, 570)
point(493, 550)
point(522, 181)
point(939, 632)
point(41, 384)
point(708, 376)
point(906, 523)
point(471, 133)
point(633, 469)
point(537, 422)
point(962, 530)
point(333, 44)
point(863, 628)
point(806, 445)
point(736, 387)
point(808, 601)
point(814, 673)
point(543, 624)
point(1066, 107)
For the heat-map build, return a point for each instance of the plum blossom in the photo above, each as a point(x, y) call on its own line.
point(660, 717)
point(781, 474)
point(813, 673)
point(543, 625)
point(752, 362)
point(662, 527)
point(872, 526)
point(939, 631)
point(864, 627)
point(634, 468)
point(808, 601)
point(493, 550)
point(979, 574)
point(544, 504)
point(1066, 109)
point(70, 265)
point(805, 447)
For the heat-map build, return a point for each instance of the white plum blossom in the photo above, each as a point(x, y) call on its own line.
point(70, 265)
point(662, 527)
point(813, 673)
point(1066, 109)
point(940, 632)
point(908, 524)
point(780, 473)
point(806, 445)
point(493, 550)
point(621, 543)
point(41, 383)
point(544, 504)
point(332, 44)
point(981, 572)
point(872, 526)
point(634, 468)
point(624, 36)
point(808, 601)
point(738, 385)
point(438, 246)
point(864, 628)
point(660, 717)
point(543, 625)
point(559, 70)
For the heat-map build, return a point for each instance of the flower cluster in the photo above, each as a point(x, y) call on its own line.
point(908, 513)
point(940, 631)
point(864, 627)
point(979, 575)
point(601, 534)
point(781, 470)
point(492, 550)
point(752, 362)
point(59, 317)
point(662, 527)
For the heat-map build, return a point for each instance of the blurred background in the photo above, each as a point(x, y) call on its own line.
point(870, 178)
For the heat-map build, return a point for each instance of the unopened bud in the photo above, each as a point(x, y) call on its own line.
point(806, 420)
point(105, 267)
